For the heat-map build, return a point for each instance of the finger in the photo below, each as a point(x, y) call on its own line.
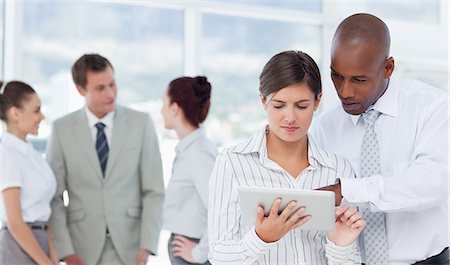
point(176, 249)
point(275, 208)
point(341, 210)
point(347, 214)
point(259, 216)
point(296, 216)
point(360, 224)
point(181, 238)
point(177, 244)
point(288, 210)
point(301, 221)
point(355, 217)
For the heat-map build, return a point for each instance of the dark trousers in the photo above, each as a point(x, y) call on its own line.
point(177, 260)
point(439, 259)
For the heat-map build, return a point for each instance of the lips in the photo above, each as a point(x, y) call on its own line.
point(350, 106)
point(290, 128)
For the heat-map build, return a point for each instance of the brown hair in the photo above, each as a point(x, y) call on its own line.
point(289, 68)
point(15, 93)
point(192, 94)
point(88, 62)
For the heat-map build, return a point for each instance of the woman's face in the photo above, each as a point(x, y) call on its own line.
point(167, 112)
point(290, 111)
point(29, 116)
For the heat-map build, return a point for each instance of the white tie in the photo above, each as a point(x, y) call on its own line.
point(375, 239)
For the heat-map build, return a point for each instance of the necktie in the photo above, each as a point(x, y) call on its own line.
point(101, 146)
point(375, 239)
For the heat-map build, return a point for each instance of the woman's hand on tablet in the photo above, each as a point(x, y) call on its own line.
point(275, 226)
point(348, 226)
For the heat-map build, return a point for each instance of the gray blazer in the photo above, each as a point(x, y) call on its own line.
point(128, 200)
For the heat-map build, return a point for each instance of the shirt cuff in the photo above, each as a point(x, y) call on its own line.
point(362, 190)
point(342, 255)
point(198, 255)
point(256, 244)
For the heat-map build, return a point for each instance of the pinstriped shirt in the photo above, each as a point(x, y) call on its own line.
point(247, 164)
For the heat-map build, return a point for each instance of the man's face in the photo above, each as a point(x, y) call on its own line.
point(100, 92)
point(360, 74)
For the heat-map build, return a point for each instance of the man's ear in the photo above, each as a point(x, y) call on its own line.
point(81, 90)
point(263, 101)
point(389, 67)
point(317, 101)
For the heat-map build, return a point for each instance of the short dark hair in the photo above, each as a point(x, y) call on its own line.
point(289, 68)
point(193, 95)
point(88, 62)
point(15, 93)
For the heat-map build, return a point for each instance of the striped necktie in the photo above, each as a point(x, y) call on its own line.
point(101, 146)
point(375, 238)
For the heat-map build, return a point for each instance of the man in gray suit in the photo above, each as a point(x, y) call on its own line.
point(107, 159)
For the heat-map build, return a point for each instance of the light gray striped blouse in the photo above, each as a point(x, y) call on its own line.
point(247, 164)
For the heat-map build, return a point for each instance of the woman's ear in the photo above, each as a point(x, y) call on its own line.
point(317, 101)
point(175, 108)
point(263, 101)
point(13, 114)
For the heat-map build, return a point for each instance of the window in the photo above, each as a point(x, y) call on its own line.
point(233, 54)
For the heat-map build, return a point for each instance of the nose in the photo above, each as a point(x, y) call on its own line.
point(346, 90)
point(290, 114)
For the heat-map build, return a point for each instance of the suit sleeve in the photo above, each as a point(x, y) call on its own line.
point(152, 189)
point(58, 219)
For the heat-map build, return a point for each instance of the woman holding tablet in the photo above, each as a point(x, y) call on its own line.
point(281, 155)
point(26, 180)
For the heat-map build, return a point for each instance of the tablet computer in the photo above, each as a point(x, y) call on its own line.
point(318, 204)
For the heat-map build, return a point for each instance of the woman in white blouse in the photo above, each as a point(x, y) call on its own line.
point(27, 182)
point(185, 107)
point(281, 155)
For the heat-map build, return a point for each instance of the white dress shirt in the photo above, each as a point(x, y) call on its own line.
point(186, 200)
point(21, 166)
point(108, 120)
point(412, 188)
point(247, 164)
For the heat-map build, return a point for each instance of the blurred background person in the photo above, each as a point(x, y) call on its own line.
point(27, 181)
point(186, 104)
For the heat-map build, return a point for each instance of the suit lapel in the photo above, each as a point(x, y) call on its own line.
point(84, 136)
point(119, 136)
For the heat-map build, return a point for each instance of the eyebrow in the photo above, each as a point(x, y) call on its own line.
point(355, 76)
point(300, 101)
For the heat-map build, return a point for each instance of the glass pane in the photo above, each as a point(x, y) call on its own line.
point(144, 45)
point(418, 11)
point(2, 33)
point(234, 51)
point(302, 5)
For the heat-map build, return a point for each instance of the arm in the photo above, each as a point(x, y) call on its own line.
point(341, 247)
point(19, 229)
point(201, 177)
point(421, 184)
point(52, 248)
point(58, 219)
point(152, 190)
point(226, 244)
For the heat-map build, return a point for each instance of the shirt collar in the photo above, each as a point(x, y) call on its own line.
point(16, 143)
point(258, 144)
point(387, 104)
point(92, 119)
point(189, 139)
